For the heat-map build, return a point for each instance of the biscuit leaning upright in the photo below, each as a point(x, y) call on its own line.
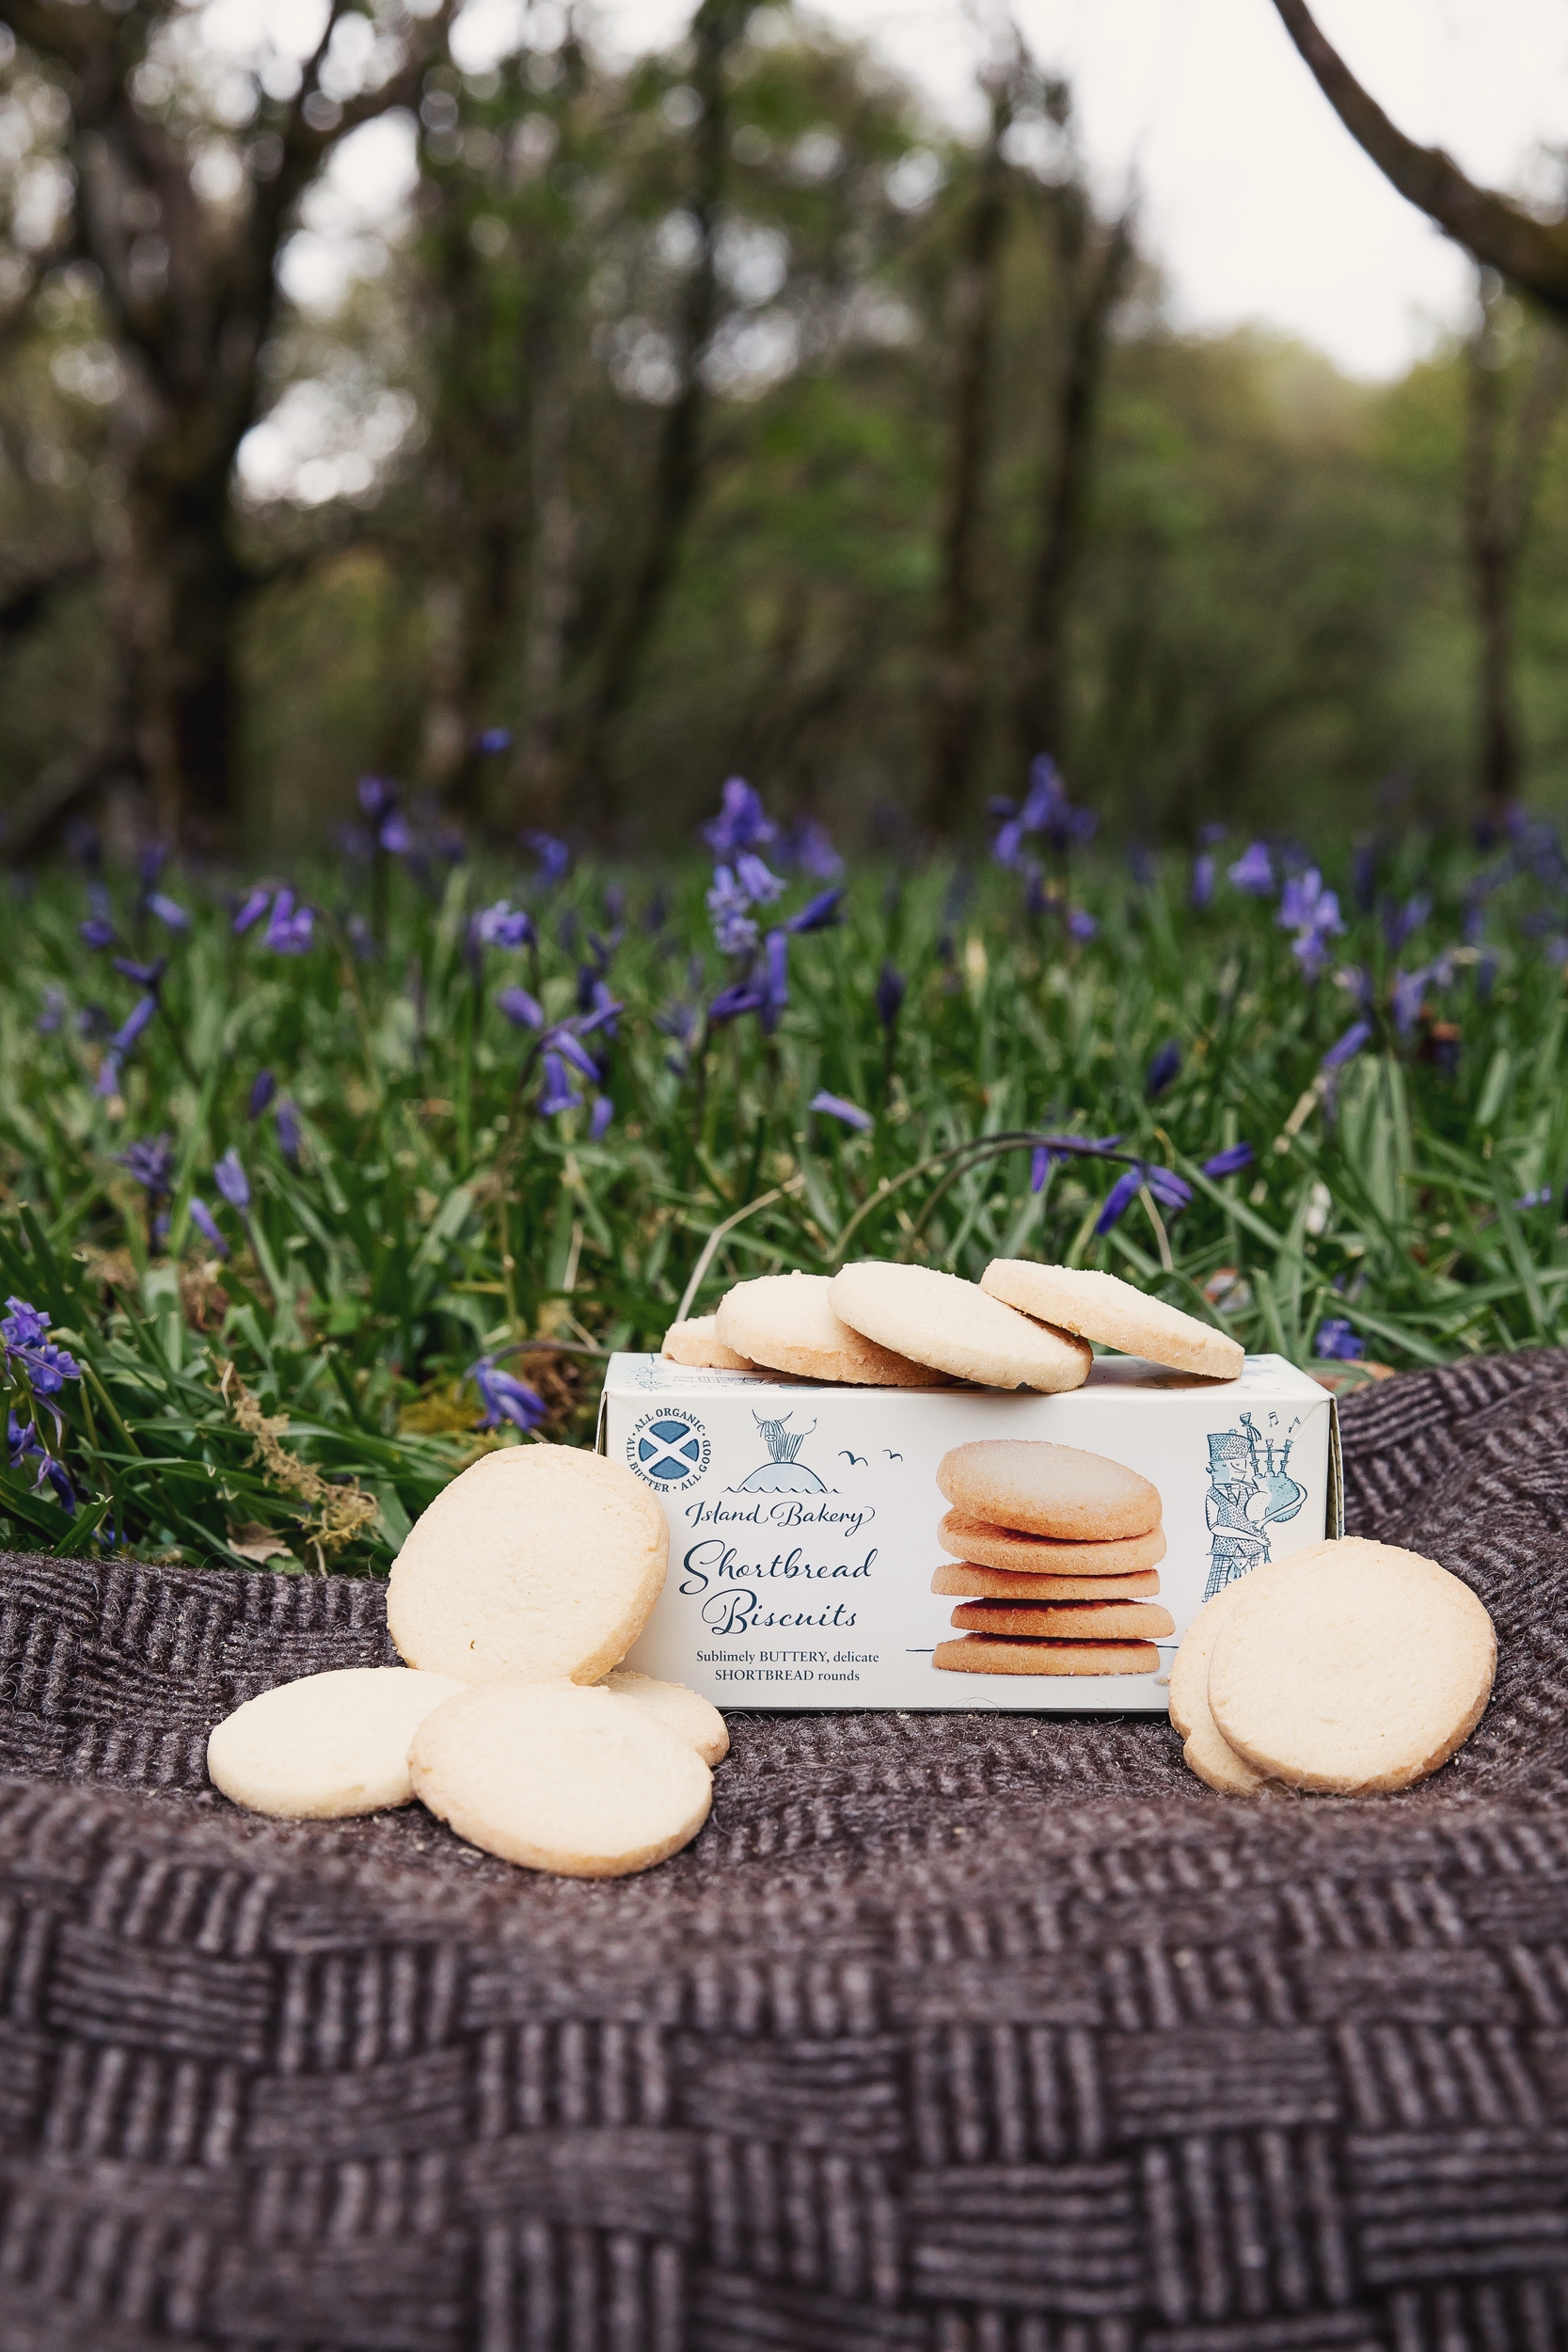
point(541, 1563)
point(788, 1322)
point(1102, 1306)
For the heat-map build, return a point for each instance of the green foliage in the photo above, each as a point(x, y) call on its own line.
point(433, 1215)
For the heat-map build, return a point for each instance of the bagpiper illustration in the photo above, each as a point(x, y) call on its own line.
point(1250, 1490)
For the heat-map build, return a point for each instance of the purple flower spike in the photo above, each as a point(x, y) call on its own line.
point(523, 1011)
point(775, 980)
point(231, 1181)
point(1082, 924)
point(1345, 1049)
point(151, 1165)
point(289, 932)
point(98, 932)
point(1171, 1191)
point(756, 880)
point(741, 822)
point(1232, 1161)
point(251, 912)
point(503, 926)
point(741, 996)
point(263, 1087)
point(505, 1397)
point(22, 1325)
point(566, 1048)
point(600, 1117)
point(145, 975)
point(848, 1113)
point(1119, 1199)
point(396, 835)
point(377, 798)
point(106, 1084)
point(1409, 995)
point(133, 1025)
point(891, 985)
point(168, 912)
point(1540, 1199)
point(207, 1224)
point(810, 848)
point(1163, 1070)
point(556, 1095)
point(1254, 871)
point(1039, 1168)
point(729, 903)
point(818, 914)
point(555, 858)
point(1202, 890)
point(1337, 1341)
point(287, 1119)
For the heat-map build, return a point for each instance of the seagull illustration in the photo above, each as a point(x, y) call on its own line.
point(891, 1455)
point(845, 1455)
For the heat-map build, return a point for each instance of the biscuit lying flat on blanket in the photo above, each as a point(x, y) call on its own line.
point(941, 1320)
point(788, 1323)
point(995, 1653)
point(700, 1726)
point(560, 1778)
point(1102, 1306)
point(541, 1562)
point(1206, 1752)
point(327, 1745)
point(1008, 1548)
point(1066, 1620)
point(1351, 1666)
point(967, 1581)
point(1048, 1490)
point(697, 1342)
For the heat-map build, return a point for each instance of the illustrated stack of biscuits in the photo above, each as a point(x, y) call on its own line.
point(1056, 1564)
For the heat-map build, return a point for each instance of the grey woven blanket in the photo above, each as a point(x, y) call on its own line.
point(951, 2033)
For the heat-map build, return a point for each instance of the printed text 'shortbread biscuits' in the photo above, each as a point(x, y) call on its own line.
point(1048, 1490)
point(788, 1323)
point(988, 1547)
point(541, 1562)
point(1351, 1666)
point(951, 1325)
point(1102, 1306)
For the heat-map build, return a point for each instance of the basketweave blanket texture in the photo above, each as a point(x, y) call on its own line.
point(951, 2033)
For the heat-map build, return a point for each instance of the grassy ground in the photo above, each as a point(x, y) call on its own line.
point(293, 1373)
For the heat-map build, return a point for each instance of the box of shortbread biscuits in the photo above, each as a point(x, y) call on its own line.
point(958, 1547)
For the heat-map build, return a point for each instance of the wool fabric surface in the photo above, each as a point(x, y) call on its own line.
point(950, 2033)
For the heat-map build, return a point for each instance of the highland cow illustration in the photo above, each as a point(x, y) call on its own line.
point(781, 1474)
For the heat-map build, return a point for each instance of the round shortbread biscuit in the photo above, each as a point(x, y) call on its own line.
point(1011, 1548)
point(1215, 1761)
point(1066, 1620)
point(1102, 1306)
point(1351, 1666)
point(700, 1726)
point(941, 1320)
point(996, 1654)
point(965, 1581)
point(580, 1782)
point(1045, 1489)
point(787, 1322)
point(541, 1563)
point(697, 1342)
point(328, 1745)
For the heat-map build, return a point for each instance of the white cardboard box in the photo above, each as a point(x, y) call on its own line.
point(803, 1520)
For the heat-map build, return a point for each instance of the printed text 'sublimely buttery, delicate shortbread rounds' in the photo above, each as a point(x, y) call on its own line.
point(683, 1709)
point(560, 1778)
point(697, 1342)
point(1009, 1547)
point(1049, 1489)
point(1102, 1306)
point(1066, 1620)
point(941, 1320)
point(1206, 1753)
point(788, 1323)
point(995, 1653)
point(327, 1745)
point(540, 1562)
point(964, 1581)
point(1351, 1666)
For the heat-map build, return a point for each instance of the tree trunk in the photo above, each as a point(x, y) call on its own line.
point(549, 594)
point(957, 716)
point(1091, 283)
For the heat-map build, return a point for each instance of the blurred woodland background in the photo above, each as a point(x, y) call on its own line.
point(722, 412)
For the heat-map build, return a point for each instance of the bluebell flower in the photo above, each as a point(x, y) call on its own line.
point(1540, 1199)
point(151, 1163)
point(1082, 924)
point(566, 1048)
point(98, 932)
point(600, 1117)
point(775, 980)
point(168, 912)
point(606, 1009)
point(377, 798)
point(396, 835)
point(1345, 1048)
point(490, 742)
point(207, 1224)
point(1337, 1341)
point(1408, 996)
point(1040, 1163)
point(144, 974)
point(1171, 1191)
point(760, 886)
point(1118, 1199)
point(848, 1113)
point(741, 824)
point(286, 1119)
point(891, 986)
point(22, 1324)
point(250, 912)
point(503, 926)
point(106, 1084)
point(1401, 923)
point(1202, 890)
point(288, 930)
point(151, 863)
point(555, 858)
point(231, 1181)
point(556, 1095)
point(130, 1029)
point(505, 1397)
point(52, 1011)
point(263, 1088)
point(728, 902)
point(523, 1011)
point(741, 996)
point(809, 846)
point(1231, 1161)
point(1163, 1070)
point(1254, 871)
point(818, 914)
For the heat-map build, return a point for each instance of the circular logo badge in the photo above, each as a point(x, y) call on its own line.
point(670, 1450)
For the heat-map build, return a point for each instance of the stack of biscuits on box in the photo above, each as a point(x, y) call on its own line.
point(1056, 1562)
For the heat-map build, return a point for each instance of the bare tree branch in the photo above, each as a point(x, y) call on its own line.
point(1532, 254)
